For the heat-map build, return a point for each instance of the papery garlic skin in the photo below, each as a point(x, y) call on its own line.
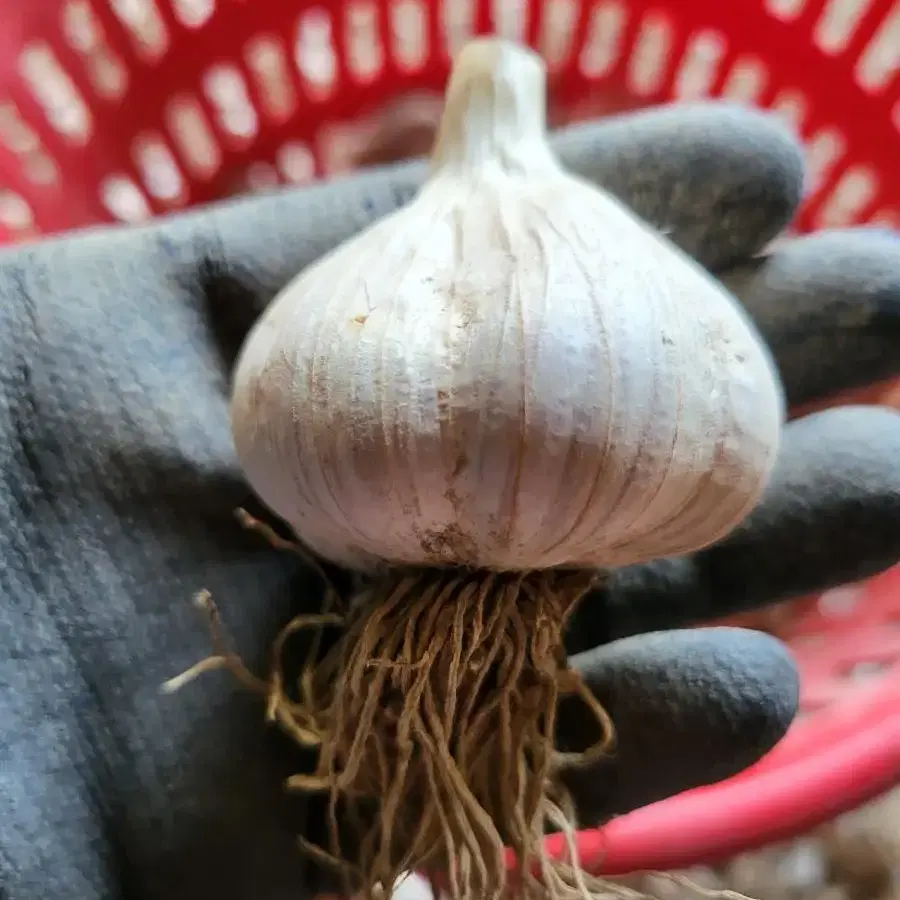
point(513, 372)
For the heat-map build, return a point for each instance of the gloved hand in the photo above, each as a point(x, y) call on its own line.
point(119, 482)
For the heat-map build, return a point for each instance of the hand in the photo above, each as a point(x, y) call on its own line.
point(119, 482)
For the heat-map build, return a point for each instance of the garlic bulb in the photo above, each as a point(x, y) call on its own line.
point(511, 373)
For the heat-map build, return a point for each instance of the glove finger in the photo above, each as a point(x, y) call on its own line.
point(829, 516)
point(689, 708)
point(720, 181)
point(829, 307)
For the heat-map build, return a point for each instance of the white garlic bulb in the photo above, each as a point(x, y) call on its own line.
point(513, 372)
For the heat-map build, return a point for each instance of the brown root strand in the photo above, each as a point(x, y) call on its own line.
point(435, 718)
point(438, 715)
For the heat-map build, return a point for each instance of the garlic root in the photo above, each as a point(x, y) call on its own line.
point(435, 715)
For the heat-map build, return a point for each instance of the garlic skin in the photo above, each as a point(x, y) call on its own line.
point(512, 373)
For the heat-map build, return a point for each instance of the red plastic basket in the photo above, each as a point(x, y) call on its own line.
point(123, 109)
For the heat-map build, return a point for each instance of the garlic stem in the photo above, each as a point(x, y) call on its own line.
point(495, 114)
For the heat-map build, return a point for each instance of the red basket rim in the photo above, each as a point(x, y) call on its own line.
point(770, 802)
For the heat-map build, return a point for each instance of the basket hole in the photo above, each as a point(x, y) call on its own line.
point(458, 22)
point(365, 55)
point(158, 169)
point(15, 134)
point(296, 163)
point(80, 26)
point(193, 13)
point(699, 64)
point(558, 31)
point(510, 18)
point(15, 213)
point(786, 10)
point(408, 26)
point(40, 169)
point(108, 75)
point(409, 29)
point(55, 92)
point(85, 35)
point(839, 602)
point(880, 60)
point(837, 23)
point(791, 106)
point(268, 64)
point(604, 41)
point(123, 199)
point(314, 52)
point(143, 21)
point(746, 81)
point(193, 137)
point(823, 152)
point(647, 65)
point(226, 89)
point(855, 190)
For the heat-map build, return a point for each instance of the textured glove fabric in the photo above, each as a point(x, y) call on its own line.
point(118, 485)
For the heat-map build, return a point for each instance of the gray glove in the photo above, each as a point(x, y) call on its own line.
point(119, 482)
